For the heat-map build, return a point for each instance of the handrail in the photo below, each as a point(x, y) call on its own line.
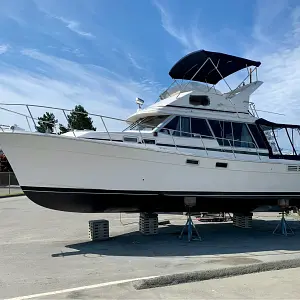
point(55, 108)
point(58, 108)
point(25, 116)
point(190, 134)
point(102, 117)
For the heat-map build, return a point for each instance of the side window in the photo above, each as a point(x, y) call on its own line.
point(174, 124)
point(222, 131)
point(242, 136)
point(199, 100)
point(185, 126)
point(180, 126)
point(257, 136)
point(200, 128)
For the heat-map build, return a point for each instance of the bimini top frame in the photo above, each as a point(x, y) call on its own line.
point(210, 68)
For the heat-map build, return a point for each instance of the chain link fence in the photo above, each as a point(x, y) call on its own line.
point(9, 184)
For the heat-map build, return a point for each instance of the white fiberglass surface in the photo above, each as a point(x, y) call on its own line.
point(148, 123)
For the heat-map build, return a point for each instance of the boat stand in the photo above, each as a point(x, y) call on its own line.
point(190, 226)
point(283, 227)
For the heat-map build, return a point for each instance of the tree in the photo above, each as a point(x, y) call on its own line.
point(79, 119)
point(63, 129)
point(46, 123)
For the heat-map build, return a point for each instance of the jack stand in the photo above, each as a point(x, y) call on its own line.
point(190, 225)
point(283, 227)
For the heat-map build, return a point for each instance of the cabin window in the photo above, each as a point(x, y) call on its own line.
point(148, 123)
point(242, 136)
point(185, 126)
point(232, 134)
point(223, 132)
point(257, 136)
point(173, 125)
point(180, 126)
point(200, 128)
point(197, 100)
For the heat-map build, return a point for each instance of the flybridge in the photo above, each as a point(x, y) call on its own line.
point(210, 68)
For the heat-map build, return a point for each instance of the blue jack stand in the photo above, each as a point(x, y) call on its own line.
point(190, 226)
point(283, 227)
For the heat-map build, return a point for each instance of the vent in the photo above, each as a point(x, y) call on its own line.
point(221, 165)
point(148, 141)
point(192, 161)
point(197, 100)
point(294, 168)
point(130, 139)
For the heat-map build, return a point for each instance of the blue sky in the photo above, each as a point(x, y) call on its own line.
point(103, 54)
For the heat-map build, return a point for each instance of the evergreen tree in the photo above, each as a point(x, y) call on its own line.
point(46, 123)
point(63, 129)
point(79, 119)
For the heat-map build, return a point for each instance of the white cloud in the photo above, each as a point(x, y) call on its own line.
point(97, 89)
point(75, 27)
point(267, 15)
point(296, 22)
point(189, 38)
point(3, 48)
point(279, 53)
point(134, 62)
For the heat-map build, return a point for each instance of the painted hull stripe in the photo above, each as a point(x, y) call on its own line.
point(158, 193)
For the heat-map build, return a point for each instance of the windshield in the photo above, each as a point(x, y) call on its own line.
point(148, 123)
point(283, 140)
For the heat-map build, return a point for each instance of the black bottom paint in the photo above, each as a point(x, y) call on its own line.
point(97, 201)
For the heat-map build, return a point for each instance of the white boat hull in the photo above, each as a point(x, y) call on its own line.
point(73, 174)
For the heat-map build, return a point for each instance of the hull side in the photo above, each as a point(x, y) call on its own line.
point(78, 175)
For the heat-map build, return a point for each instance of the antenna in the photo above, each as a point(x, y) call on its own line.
point(139, 102)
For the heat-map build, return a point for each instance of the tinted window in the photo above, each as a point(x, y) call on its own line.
point(200, 126)
point(185, 126)
point(257, 136)
point(174, 124)
point(222, 131)
point(148, 123)
point(242, 136)
point(199, 100)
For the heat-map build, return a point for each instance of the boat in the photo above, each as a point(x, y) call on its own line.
point(194, 142)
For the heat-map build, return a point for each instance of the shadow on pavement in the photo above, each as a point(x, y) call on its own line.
point(217, 239)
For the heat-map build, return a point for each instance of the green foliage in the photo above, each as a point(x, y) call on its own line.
point(79, 119)
point(46, 123)
point(63, 129)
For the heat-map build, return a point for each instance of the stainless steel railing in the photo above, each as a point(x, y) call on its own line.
point(253, 110)
point(231, 142)
point(63, 110)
